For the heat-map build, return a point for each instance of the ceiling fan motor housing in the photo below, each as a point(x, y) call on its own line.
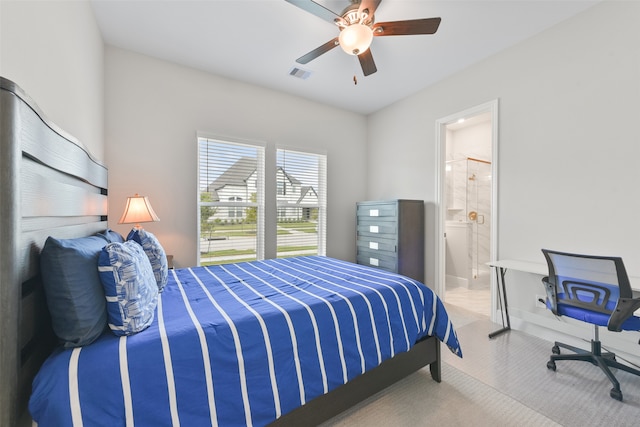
point(351, 15)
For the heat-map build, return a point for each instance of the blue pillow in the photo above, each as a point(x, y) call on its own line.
point(155, 252)
point(129, 287)
point(111, 236)
point(69, 269)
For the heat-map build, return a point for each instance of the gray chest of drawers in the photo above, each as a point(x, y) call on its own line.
point(390, 236)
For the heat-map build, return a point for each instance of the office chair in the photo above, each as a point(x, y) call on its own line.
point(595, 290)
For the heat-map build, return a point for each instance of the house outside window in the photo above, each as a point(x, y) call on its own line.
point(301, 201)
point(231, 201)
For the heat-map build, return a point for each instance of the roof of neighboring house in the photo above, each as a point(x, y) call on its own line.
point(292, 179)
point(304, 191)
point(237, 174)
point(240, 172)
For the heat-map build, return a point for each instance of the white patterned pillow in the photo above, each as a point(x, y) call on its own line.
point(155, 252)
point(129, 286)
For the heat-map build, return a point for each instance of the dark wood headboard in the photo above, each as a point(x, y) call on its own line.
point(49, 186)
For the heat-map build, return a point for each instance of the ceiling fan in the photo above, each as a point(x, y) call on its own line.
point(358, 28)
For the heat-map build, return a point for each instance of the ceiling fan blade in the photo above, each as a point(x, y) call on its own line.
point(405, 28)
point(318, 51)
point(367, 63)
point(317, 10)
point(371, 5)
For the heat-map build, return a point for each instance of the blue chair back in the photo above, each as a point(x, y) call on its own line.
point(586, 287)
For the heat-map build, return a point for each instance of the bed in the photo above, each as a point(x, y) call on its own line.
point(275, 342)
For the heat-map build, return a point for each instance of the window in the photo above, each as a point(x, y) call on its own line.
point(233, 194)
point(231, 201)
point(234, 211)
point(301, 201)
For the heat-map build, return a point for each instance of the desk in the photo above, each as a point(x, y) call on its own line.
point(501, 269)
point(526, 267)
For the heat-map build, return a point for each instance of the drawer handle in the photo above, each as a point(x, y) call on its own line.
point(373, 229)
point(374, 212)
point(373, 245)
point(374, 261)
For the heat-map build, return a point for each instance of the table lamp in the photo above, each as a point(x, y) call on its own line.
point(138, 210)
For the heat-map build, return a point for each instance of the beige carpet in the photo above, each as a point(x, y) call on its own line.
point(460, 400)
point(515, 363)
point(500, 382)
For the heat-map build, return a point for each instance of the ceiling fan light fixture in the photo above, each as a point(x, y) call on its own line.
point(355, 38)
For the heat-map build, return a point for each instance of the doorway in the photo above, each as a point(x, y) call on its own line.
point(467, 200)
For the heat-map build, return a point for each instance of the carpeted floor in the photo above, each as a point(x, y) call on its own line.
point(460, 400)
point(503, 381)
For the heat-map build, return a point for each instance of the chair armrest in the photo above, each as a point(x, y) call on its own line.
point(551, 294)
point(624, 309)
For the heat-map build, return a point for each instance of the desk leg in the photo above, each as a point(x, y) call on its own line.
point(502, 298)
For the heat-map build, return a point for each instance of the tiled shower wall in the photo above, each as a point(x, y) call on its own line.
point(468, 189)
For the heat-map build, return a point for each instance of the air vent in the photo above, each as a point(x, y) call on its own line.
point(299, 73)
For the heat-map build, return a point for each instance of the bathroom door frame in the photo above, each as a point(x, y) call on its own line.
point(441, 158)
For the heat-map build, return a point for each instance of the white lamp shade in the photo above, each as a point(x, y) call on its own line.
point(138, 210)
point(355, 39)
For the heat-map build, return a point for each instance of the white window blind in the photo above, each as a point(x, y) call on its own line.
point(301, 200)
point(231, 201)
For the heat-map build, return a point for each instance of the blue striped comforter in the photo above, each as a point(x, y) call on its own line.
point(241, 344)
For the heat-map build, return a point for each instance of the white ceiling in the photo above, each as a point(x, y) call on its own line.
point(258, 41)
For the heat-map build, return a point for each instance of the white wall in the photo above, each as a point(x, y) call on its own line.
point(154, 110)
point(568, 142)
point(53, 50)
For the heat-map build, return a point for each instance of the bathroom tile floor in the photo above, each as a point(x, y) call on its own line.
point(477, 301)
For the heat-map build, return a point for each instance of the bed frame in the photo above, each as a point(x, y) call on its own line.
point(51, 186)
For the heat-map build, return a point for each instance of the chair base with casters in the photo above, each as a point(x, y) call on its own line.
point(605, 361)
